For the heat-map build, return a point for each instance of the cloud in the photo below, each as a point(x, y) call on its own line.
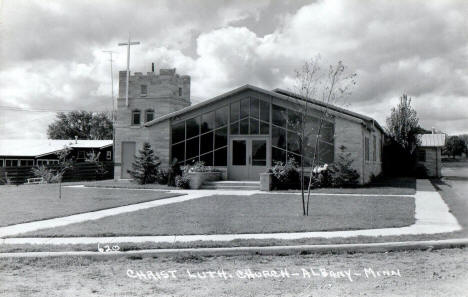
point(417, 47)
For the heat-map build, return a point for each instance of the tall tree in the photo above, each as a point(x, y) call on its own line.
point(399, 154)
point(403, 124)
point(83, 124)
point(455, 146)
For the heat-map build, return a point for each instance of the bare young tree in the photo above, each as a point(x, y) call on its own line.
point(317, 89)
point(64, 164)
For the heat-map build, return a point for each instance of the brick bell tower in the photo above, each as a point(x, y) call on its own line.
point(161, 94)
point(150, 96)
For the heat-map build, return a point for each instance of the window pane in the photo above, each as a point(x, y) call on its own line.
point(239, 152)
point(178, 151)
point(191, 161)
point(149, 116)
point(294, 143)
point(207, 122)
point(254, 129)
point(193, 127)
point(279, 115)
point(192, 148)
point(144, 89)
point(278, 137)
point(235, 108)
point(326, 133)
point(294, 120)
point(326, 152)
point(244, 126)
point(366, 148)
point(277, 155)
point(221, 116)
point(235, 128)
point(309, 149)
point(244, 108)
point(264, 128)
point(254, 108)
point(220, 157)
point(264, 111)
point(206, 142)
point(178, 132)
point(296, 158)
point(221, 137)
point(207, 159)
point(259, 155)
point(311, 126)
point(136, 118)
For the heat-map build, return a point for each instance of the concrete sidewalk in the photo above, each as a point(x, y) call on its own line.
point(263, 250)
point(432, 216)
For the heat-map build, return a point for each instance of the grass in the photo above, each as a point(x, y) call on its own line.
point(262, 213)
point(26, 203)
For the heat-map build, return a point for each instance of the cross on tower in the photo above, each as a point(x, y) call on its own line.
point(128, 44)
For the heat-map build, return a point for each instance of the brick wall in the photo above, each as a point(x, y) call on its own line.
point(350, 135)
point(162, 97)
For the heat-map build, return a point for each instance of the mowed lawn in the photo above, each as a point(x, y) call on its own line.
point(26, 203)
point(260, 213)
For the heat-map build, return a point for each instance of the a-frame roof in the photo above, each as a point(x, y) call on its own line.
point(277, 93)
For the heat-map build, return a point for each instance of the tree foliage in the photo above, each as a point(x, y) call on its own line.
point(399, 154)
point(455, 146)
point(84, 124)
point(403, 124)
point(146, 166)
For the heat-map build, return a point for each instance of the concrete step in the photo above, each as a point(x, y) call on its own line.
point(232, 185)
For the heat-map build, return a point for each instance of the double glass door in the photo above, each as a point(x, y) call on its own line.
point(249, 157)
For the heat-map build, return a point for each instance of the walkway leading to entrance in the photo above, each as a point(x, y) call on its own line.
point(432, 216)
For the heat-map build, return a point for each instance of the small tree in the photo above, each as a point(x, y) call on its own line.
point(342, 173)
point(455, 146)
point(317, 88)
point(146, 165)
point(93, 158)
point(64, 163)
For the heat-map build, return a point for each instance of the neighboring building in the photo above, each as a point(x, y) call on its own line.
point(241, 132)
point(430, 153)
point(32, 152)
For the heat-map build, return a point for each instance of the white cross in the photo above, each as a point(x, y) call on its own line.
point(128, 63)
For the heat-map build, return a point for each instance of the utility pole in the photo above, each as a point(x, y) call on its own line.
point(113, 103)
point(128, 44)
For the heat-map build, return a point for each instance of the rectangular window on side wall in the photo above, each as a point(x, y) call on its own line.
point(149, 115)
point(136, 117)
point(143, 90)
point(11, 163)
point(109, 155)
point(1, 162)
point(374, 148)
point(366, 148)
point(180, 92)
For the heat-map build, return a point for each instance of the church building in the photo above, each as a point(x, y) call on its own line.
point(242, 132)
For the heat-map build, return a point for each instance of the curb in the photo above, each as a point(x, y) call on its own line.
point(267, 250)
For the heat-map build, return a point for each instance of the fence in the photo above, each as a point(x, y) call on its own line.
point(78, 172)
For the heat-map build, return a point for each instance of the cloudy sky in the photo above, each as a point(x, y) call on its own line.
point(51, 52)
